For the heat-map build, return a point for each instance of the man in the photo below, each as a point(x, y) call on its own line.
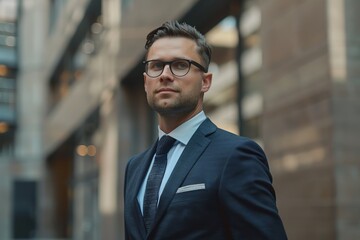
point(212, 184)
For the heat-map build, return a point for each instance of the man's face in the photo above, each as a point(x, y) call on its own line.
point(168, 94)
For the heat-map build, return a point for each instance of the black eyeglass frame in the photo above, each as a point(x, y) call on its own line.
point(196, 64)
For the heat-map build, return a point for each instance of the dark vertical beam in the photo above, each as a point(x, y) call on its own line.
point(205, 14)
point(238, 10)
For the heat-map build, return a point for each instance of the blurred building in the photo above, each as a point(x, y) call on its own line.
point(73, 108)
point(8, 114)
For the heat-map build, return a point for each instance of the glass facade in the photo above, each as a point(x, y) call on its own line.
point(8, 73)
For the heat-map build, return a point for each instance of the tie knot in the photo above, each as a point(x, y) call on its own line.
point(164, 145)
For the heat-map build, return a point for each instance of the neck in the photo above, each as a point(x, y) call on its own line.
point(168, 123)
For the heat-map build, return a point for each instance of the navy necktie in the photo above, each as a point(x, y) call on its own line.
point(154, 180)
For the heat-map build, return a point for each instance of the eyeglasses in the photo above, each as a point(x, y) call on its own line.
point(178, 67)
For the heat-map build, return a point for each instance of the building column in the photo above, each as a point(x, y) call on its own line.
point(344, 46)
point(27, 168)
point(109, 124)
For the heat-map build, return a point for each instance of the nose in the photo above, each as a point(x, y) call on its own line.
point(167, 74)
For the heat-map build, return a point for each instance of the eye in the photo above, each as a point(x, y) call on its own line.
point(180, 65)
point(156, 65)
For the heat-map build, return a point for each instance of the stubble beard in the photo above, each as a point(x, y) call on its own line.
point(174, 108)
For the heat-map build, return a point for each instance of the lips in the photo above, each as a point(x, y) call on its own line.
point(164, 90)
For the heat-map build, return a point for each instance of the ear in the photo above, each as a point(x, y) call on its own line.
point(206, 82)
point(144, 74)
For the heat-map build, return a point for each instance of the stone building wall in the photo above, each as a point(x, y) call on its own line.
point(310, 117)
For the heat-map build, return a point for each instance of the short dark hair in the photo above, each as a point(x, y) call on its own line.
point(176, 29)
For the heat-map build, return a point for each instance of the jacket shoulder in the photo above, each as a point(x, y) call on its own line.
point(230, 138)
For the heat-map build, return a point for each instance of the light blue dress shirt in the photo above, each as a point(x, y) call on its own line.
point(182, 134)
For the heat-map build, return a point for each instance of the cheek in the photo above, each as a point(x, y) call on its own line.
point(199, 86)
point(147, 86)
point(192, 86)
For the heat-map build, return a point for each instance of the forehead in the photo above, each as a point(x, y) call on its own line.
point(173, 47)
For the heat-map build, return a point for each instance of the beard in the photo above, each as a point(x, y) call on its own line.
point(174, 107)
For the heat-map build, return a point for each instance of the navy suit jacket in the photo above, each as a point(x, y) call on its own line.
point(225, 192)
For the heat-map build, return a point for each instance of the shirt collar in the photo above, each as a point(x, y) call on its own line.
point(184, 132)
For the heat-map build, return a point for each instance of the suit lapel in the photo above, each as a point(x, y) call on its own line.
point(140, 173)
point(188, 158)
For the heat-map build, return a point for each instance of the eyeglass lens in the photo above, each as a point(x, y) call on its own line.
point(179, 68)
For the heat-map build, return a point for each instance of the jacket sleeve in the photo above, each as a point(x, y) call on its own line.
point(247, 196)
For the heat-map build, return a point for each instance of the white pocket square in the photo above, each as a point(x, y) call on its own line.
point(192, 187)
